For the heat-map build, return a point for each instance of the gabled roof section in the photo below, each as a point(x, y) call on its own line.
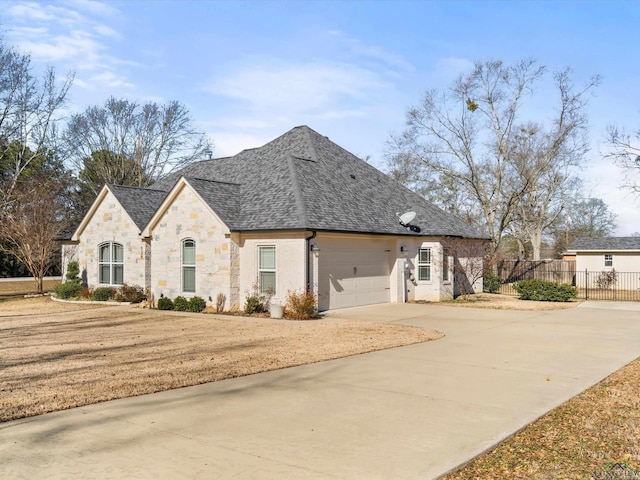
point(302, 180)
point(223, 198)
point(139, 203)
point(605, 244)
point(223, 195)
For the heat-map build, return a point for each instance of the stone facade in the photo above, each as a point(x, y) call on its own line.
point(111, 223)
point(187, 217)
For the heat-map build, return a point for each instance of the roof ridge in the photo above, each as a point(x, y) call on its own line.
point(312, 144)
point(297, 190)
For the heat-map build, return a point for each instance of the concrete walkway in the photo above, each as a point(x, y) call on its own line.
point(413, 412)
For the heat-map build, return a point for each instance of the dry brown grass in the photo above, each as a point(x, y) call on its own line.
point(498, 301)
point(573, 441)
point(58, 355)
point(24, 287)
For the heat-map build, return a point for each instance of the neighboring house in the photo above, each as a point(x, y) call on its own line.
point(299, 212)
point(606, 254)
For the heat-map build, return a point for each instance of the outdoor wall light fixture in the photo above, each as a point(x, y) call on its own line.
point(315, 248)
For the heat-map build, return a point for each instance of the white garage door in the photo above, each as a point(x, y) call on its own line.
point(353, 273)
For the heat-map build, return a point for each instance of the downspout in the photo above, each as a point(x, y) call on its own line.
point(308, 247)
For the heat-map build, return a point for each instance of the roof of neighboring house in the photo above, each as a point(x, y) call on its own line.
point(605, 243)
point(303, 181)
point(139, 203)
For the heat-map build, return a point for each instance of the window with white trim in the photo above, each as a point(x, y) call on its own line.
point(111, 264)
point(267, 269)
point(608, 260)
point(424, 264)
point(188, 266)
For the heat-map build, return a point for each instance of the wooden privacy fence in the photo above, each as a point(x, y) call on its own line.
point(591, 285)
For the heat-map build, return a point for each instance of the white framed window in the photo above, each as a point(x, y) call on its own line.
point(189, 265)
point(267, 269)
point(608, 260)
point(424, 264)
point(111, 264)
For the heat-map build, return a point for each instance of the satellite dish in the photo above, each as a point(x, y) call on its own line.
point(407, 218)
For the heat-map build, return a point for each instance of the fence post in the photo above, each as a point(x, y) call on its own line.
point(586, 284)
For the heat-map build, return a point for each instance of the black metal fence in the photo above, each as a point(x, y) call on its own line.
point(611, 285)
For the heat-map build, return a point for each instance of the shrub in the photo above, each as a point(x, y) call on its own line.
point(73, 270)
point(68, 289)
point(254, 304)
point(72, 284)
point(86, 293)
point(130, 293)
point(103, 294)
point(545, 291)
point(607, 279)
point(220, 301)
point(491, 282)
point(165, 303)
point(197, 304)
point(301, 305)
point(180, 304)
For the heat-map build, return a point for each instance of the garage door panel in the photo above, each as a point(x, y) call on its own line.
point(355, 273)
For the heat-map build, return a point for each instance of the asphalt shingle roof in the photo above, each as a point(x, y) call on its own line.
point(140, 203)
point(605, 243)
point(302, 180)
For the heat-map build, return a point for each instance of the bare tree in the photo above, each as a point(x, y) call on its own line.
point(130, 143)
point(464, 264)
point(32, 222)
point(625, 152)
point(29, 109)
point(465, 135)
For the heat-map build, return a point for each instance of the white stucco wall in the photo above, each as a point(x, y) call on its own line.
point(111, 223)
point(594, 262)
point(291, 261)
point(187, 217)
point(463, 256)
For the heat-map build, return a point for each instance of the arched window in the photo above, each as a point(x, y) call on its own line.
point(188, 266)
point(111, 264)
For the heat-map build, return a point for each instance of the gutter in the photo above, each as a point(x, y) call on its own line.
point(308, 248)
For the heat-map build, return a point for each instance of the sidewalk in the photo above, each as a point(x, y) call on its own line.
point(413, 412)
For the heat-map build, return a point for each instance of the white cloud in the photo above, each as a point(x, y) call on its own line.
point(310, 87)
point(358, 48)
point(75, 35)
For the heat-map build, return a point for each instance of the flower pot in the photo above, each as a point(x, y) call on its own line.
point(276, 310)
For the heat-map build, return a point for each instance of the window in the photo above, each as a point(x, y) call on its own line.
point(424, 264)
point(111, 264)
point(608, 260)
point(267, 269)
point(188, 266)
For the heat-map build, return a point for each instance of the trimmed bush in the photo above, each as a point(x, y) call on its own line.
point(301, 305)
point(130, 293)
point(72, 284)
point(68, 289)
point(254, 304)
point(491, 283)
point(197, 304)
point(545, 291)
point(165, 303)
point(180, 304)
point(103, 294)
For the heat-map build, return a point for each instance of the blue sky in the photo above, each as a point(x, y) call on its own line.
point(250, 70)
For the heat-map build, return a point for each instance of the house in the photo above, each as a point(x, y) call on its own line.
point(297, 213)
point(606, 253)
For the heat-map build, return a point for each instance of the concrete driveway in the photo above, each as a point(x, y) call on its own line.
point(413, 412)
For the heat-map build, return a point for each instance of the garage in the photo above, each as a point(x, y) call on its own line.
point(353, 273)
